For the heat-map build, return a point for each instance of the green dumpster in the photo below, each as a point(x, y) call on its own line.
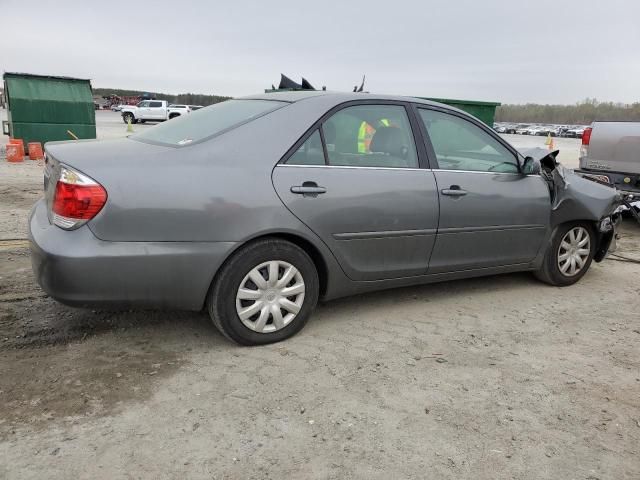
point(43, 108)
point(485, 111)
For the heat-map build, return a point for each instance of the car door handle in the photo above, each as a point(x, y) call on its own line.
point(308, 188)
point(453, 191)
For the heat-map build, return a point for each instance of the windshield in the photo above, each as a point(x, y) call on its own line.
point(207, 122)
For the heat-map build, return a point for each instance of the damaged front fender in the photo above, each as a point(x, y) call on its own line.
point(575, 198)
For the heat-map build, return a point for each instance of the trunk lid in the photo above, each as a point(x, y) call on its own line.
point(97, 159)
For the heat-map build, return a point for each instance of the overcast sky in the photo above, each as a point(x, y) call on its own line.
point(511, 51)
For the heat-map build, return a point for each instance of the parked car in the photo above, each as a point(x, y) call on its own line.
point(545, 130)
point(255, 208)
point(153, 110)
point(534, 130)
point(117, 108)
point(610, 153)
point(522, 129)
point(575, 132)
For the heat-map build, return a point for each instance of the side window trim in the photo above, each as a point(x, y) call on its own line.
point(306, 137)
point(433, 159)
point(414, 123)
point(324, 145)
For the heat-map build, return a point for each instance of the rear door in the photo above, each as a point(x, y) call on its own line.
point(157, 110)
point(490, 213)
point(356, 181)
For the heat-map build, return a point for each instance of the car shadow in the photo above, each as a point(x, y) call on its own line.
point(55, 324)
point(511, 284)
point(44, 322)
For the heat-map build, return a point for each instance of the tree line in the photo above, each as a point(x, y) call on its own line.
point(582, 113)
point(185, 98)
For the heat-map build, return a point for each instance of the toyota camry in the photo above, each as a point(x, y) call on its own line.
point(255, 208)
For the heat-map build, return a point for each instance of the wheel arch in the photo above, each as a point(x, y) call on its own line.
point(300, 241)
point(602, 239)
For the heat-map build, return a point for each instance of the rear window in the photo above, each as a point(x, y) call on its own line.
point(207, 122)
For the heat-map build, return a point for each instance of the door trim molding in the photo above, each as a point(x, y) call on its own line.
point(384, 234)
point(490, 228)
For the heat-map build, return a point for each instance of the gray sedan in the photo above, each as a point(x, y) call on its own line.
point(255, 208)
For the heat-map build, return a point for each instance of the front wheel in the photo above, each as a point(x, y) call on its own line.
point(128, 117)
point(569, 255)
point(264, 293)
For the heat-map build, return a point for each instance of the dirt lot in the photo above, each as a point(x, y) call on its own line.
point(489, 378)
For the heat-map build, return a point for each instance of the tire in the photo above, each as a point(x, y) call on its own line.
point(551, 271)
point(127, 116)
point(174, 115)
point(258, 325)
point(141, 121)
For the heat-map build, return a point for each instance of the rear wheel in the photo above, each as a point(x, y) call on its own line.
point(569, 255)
point(173, 115)
point(264, 293)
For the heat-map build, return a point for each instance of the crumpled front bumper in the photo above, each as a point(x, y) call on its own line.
point(607, 236)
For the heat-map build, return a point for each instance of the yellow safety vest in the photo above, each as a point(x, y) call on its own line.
point(365, 134)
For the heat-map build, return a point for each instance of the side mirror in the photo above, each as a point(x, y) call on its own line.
point(530, 166)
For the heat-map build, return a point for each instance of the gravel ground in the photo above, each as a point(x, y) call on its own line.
point(500, 377)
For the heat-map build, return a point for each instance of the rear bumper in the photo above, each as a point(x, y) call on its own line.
point(76, 268)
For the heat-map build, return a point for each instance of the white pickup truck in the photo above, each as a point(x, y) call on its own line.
point(154, 111)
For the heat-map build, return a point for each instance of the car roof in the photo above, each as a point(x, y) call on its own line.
point(340, 97)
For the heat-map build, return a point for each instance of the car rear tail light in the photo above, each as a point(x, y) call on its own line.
point(77, 199)
point(586, 138)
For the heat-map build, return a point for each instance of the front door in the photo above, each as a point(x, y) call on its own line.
point(361, 190)
point(144, 112)
point(490, 214)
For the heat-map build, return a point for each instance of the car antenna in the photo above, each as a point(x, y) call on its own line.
point(361, 85)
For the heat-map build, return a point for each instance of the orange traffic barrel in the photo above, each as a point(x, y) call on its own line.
point(18, 142)
point(15, 153)
point(35, 151)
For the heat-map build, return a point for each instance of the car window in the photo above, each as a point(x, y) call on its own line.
point(461, 145)
point(370, 136)
point(143, 104)
point(155, 104)
point(207, 122)
point(309, 153)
